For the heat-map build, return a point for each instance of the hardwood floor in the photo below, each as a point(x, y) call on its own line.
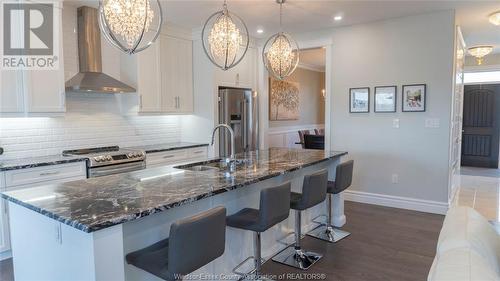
point(385, 244)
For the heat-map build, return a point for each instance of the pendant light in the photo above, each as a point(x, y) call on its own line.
point(130, 25)
point(281, 52)
point(479, 52)
point(225, 38)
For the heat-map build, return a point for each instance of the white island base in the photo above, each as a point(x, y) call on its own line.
point(45, 249)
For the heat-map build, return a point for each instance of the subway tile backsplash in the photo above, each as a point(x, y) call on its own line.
point(83, 127)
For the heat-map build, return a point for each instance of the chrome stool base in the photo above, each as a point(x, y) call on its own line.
point(328, 233)
point(297, 258)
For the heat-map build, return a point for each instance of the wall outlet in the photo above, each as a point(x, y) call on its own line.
point(395, 178)
point(395, 123)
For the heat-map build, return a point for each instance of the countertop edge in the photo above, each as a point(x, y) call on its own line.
point(161, 208)
point(175, 148)
point(36, 164)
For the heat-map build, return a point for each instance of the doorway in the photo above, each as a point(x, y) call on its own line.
point(307, 85)
point(481, 126)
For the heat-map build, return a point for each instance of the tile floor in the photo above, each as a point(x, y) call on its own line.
point(480, 189)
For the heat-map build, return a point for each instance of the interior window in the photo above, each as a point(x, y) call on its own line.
point(481, 77)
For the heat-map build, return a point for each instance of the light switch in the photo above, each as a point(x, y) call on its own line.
point(432, 123)
point(395, 178)
point(395, 123)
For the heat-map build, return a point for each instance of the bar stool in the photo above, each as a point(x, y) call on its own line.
point(274, 207)
point(313, 193)
point(193, 242)
point(343, 179)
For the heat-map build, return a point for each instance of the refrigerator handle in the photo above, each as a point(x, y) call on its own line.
point(244, 125)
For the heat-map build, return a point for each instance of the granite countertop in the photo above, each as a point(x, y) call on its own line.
point(98, 203)
point(167, 146)
point(23, 163)
point(32, 162)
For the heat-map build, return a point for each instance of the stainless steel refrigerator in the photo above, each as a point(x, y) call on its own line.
point(238, 108)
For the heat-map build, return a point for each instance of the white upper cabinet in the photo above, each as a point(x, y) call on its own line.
point(35, 91)
point(148, 79)
point(165, 76)
point(242, 75)
point(11, 95)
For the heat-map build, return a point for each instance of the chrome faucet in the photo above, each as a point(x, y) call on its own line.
point(231, 161)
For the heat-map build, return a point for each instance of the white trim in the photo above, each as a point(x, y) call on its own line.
point(5, 255)
point(293, 129)
point(407, 203)
point(311, 67)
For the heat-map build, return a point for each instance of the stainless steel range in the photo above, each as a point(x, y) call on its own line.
point(103, 161)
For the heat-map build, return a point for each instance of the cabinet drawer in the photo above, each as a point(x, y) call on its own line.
point(167, 157)
point(32, 176)
point(198, 153)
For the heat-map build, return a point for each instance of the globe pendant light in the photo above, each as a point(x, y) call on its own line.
point(281, 52)
point(130, 25)
point(225, 38)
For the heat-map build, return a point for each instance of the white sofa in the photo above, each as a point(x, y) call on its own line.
point(468, 248)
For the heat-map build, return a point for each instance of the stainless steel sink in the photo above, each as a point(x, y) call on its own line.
point(200, 168)
point(213, 165)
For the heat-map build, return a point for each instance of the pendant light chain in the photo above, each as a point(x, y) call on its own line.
point(281, 16)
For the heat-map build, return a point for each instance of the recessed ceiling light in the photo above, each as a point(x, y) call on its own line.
point(495, 18)
point(337, 18)
point(260, 30)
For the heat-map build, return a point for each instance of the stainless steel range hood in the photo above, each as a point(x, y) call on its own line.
point(91, 78)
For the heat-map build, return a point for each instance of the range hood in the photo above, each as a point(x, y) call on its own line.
point(90, 78)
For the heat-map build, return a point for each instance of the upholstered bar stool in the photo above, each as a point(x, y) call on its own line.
point(313, 193)
point(193, 243)
point(274, 207)
point(343, 179)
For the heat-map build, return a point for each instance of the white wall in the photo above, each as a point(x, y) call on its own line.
point(417, 49)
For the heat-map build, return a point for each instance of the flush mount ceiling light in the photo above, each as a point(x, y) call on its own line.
point(281, 52)
point(225, 38)
point(130, 25)
point(479, 52)
point(337, 18)
point(495, 18)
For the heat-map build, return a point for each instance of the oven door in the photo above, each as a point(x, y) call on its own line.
point(116, 169)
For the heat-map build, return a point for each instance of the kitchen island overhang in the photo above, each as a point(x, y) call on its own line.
point(89, 226)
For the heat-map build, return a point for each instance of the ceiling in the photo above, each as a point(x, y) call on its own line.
point(310, 15)
point(304, 16)
point(314, 59)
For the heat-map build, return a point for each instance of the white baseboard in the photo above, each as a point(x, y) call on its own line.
point(420, 205)
point(5, 255)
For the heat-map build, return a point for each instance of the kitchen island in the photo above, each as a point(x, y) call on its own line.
point(82, 230)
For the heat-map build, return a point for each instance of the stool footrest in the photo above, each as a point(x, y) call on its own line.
point(297, 258)
point(245, 274)
point(328, 233)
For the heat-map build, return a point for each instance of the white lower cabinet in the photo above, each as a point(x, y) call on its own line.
point(30, 177)
point(176, 156)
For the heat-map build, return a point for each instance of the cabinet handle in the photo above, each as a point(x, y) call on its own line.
point(198, 152)
point(140, 101)
point(168, 156)
point(178, 102)
point(49, 173)
point(237, 78)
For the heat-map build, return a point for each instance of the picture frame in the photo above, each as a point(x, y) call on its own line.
point(385, 99)
point(359, 100)
point(414, 98)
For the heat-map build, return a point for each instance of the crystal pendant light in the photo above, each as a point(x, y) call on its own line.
point(225, 38)
point(281, 52)
point(480, 52)
point(130, 25)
